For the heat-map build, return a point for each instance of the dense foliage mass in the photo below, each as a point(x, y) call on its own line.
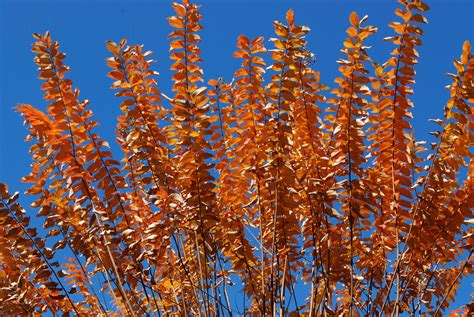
point(309, 203)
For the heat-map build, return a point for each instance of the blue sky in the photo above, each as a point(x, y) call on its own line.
point(82, 27)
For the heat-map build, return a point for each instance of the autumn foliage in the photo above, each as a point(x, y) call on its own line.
point(298, 199)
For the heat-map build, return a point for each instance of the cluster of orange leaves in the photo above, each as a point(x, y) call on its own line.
point(248, 182)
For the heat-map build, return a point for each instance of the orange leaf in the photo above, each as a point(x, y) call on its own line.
point(113, 47)
point(354, 19)
point(290, 18)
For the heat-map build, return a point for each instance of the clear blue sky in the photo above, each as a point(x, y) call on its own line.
point(82, 27)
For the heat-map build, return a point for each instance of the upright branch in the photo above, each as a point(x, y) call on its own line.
point(191, 148)
point(346, 149)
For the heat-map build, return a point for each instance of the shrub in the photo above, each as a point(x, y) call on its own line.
point(305, 201)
